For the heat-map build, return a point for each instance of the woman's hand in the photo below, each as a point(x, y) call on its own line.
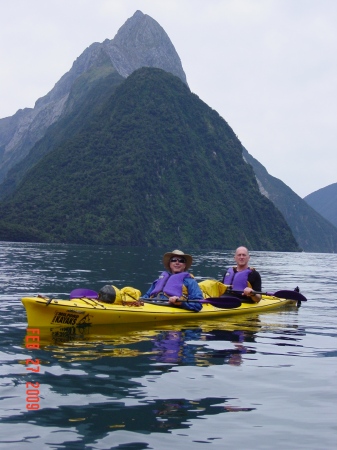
point(174, 300)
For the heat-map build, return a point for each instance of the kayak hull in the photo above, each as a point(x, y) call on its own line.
point(43, 312)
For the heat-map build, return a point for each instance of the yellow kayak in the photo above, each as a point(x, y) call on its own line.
point(44, 312)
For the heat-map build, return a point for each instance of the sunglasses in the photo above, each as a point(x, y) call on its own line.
point(179, 260)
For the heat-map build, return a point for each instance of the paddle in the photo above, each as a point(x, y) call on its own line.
point(289, 295)
point(218, 302)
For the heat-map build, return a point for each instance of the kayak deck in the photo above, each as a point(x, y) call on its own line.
point(44, 312)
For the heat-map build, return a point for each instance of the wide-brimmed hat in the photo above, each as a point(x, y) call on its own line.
point(168, 256)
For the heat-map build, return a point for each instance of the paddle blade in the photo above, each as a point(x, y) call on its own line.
point(290, 295)
point(88, 293)
point(223, 302)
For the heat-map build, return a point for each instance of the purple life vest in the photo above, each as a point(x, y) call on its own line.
point(238, 280)
point(170, 284)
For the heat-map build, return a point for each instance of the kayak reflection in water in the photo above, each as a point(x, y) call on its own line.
point(171, 346)
point(176, 284)
point(185, 347)
point(233, 356)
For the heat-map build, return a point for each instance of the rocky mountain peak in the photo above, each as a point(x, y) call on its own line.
point(142, 42)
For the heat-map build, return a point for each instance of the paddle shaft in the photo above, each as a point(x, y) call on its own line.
point(218, 302)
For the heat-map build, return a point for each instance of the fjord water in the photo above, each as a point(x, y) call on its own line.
point(252, 382)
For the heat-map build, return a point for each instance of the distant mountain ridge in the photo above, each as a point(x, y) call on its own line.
point(140, 42)
point(312, 231)
point(324, 201)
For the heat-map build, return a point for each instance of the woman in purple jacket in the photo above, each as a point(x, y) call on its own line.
point(175, 284)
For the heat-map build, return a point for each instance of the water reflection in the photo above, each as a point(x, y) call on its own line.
point(233, 356)
point(213, 342)
point(188, 347)
point(171, 414)
point(94, 422)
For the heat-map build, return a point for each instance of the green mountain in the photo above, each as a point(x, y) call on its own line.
point(312, 231)
point(150, 165)
point(324, 201)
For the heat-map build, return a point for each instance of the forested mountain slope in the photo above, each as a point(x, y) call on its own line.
point(153, 165)
point(85, 99)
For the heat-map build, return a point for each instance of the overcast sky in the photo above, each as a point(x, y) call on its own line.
point(269, 67)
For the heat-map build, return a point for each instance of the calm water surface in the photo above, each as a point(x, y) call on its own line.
point(266, 381)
